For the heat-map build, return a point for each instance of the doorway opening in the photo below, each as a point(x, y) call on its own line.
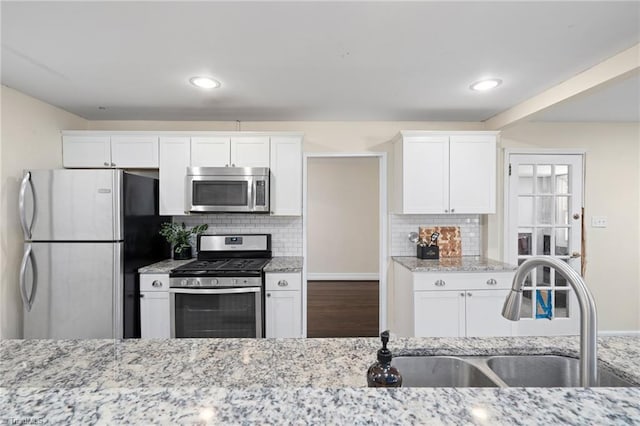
point(344, 244)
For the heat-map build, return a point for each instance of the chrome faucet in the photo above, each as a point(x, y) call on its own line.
point(588, 320)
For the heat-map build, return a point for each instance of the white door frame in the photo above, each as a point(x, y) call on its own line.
point(383, 261)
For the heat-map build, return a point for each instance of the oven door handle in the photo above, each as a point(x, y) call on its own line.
point(215, 290)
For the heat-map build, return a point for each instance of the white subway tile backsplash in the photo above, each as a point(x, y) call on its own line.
point(402, 225)
point(286, 231)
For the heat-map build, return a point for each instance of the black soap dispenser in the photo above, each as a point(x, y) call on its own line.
point(382, 374)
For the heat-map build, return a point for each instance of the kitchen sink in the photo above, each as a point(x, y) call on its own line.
point(498, 371)
point(546, 371)
point(440, 371)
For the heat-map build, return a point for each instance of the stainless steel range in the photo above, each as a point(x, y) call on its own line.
point(221, 293)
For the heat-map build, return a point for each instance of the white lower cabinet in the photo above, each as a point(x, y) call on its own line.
point(154, 306)
point(283, 305)
point(451, 304)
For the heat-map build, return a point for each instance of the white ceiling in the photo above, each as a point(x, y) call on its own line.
point(310, 60)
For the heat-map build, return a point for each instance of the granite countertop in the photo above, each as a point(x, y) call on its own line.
point(316, 381)
point(277, 264)
point(453, 264)
point(163, 267)
point(284, 264)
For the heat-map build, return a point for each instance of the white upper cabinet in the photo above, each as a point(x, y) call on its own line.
point(225, 151)
point(440, 172)
point(210, 151)
point(175, 157)
point(250, 151)
point(286, 175)
point(472, 174)
point(86, 151)
point(98, 151)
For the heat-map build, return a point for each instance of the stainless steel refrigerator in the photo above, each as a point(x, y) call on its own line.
point(86, 234)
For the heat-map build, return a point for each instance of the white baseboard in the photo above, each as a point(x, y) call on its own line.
point(635, 333)
point(364, 276)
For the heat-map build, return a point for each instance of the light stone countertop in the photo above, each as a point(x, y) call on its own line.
point(284, 264)
point(317, 381)
point(453, 264)
point(163, 267)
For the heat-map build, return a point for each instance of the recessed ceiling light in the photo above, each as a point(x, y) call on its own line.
point(483, 85)
point(204, 82)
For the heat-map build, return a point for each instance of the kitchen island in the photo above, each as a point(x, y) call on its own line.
point(320, 381)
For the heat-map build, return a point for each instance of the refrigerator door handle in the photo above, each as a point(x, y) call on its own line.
point(26, 228)
point(28, 299)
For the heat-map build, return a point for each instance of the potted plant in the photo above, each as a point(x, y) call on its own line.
point(180, 237)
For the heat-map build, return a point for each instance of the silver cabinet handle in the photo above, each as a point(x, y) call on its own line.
point(461, 294)
point(446, 210)
point(283, 283)
point(28, 299)
point(233, 165)
point(453, 210)
point(106, 164)
point(156, 283)
point(491, 281)
point(141, 295)
point(113, 164)
point(268, 294)
point(440, 283)
point(26, 230)
point(469, 294)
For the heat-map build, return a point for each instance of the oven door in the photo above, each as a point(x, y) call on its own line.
point(228, 312)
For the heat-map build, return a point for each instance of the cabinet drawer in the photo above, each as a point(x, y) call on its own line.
point(283, 281)
point(462, 280)
point(154, 282)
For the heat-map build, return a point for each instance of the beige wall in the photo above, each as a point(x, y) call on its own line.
point(343, 215)
point(30, 139)
point(612, 185)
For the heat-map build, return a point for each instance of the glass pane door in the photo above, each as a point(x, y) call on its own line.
point(545, 218)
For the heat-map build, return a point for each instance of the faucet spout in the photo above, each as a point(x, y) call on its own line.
point(588, 317)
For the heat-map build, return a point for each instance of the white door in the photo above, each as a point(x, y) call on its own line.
point(86, 151)
point(472, 174)
point(155, 315)
point(425, 174)
point(250, 151)
point(544, 217)
point(439, 313)
point(484, 318)
point(175, 157)
point(286, 176)
point(140, 152)
point(210, 151)
point(283, 314)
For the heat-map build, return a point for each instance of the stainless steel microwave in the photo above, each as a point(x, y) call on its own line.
point(227, 189)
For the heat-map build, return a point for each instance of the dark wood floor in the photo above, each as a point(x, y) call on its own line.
point(342, 308)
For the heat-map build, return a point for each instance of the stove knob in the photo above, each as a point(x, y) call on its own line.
point(183, 283)
point(246, 281)
point(194, 283)
point(235, 281)
point(214, 281)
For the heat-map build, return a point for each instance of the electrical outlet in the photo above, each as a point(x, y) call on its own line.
point(598, 221)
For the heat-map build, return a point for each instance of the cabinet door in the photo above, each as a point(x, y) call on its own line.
point(286, 176)
point(250, 151)
point(425, 174)
point(439, 314)
point(175, 157)
point(154, 315)
point(140, 152)
point(210, 151)
point(472, 161)
point(86, 151)
point(283, 314)
point(484, 314)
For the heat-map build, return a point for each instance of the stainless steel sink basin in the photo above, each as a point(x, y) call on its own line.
point(440, 371)
point(546, 371)
point(498, 371)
